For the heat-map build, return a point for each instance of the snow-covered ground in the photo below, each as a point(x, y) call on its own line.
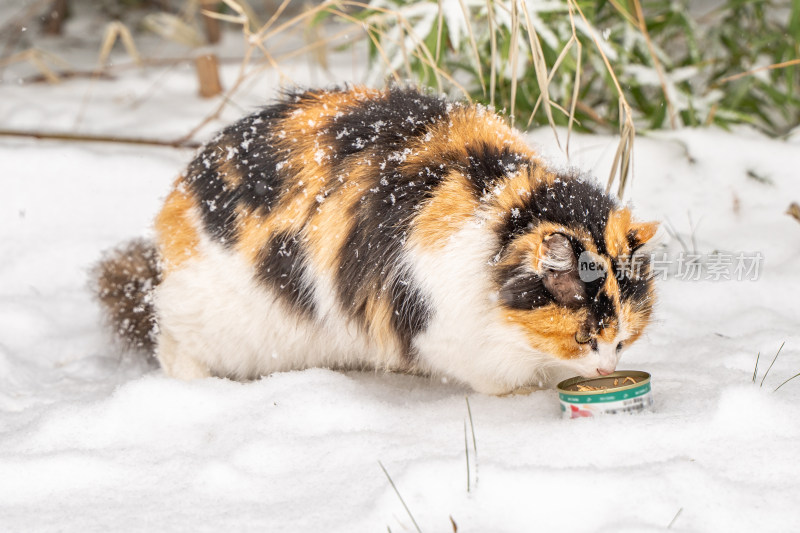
point(94, 441)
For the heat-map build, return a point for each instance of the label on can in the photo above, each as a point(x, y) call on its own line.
point(629, 400)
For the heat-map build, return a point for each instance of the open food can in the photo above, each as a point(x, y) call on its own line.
point(622, 392)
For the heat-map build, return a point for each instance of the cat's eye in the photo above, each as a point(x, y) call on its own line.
point(582, 337)
point(619, 347)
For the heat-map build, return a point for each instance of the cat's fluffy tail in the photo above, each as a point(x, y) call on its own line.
point(123, 282)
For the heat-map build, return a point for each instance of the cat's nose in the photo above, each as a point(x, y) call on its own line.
point(604, 372)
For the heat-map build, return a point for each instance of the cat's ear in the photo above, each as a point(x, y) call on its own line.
point(641, 233)
point(623, 235)
point(558, 268)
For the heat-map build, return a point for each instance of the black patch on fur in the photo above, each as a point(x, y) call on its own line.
point(633, 277)
point(379, 130)
point(384, 125)
point(281, 265)
point(601, 310)
point(487, 164)
point(411, 311)
point(634, 289)
point(569, 202)
point(248, 148)
point(374, 246)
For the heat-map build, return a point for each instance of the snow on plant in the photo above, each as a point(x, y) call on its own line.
point(673, 66)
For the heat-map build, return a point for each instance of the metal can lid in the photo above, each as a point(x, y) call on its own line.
point(638, 377)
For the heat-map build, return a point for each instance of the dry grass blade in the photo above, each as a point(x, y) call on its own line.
point(226, 97)
point(117, 31)
point(493, 45)
point(275, 15)
point(385, 58)
point(513, 55)
point(540, 68)
point(772, 363)
point(264, 35)
point(37, 58)
point(626, 142)
point(474, 43)
point(674, 518)
point(254, 41)
point(173, 28)
point(370, 29)
point(404, 50)
point(472, 426)
point(250, 13)
point(233, 19)
point(624, 12)
point(400, 497)
point(755, 370)
point(439, 26)
point(425, 57)
point(794, 211)
point(313, 46)
point(576, 87)
point(429, 59)
point(559, 60)
point(642, 24)
point(785, 382)
point(784, 64)
point(16, 25)
point(466, 453)
point(627, 129)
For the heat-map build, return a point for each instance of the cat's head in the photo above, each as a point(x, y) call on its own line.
point(579, 290)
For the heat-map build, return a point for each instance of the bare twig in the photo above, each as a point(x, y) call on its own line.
point(77, 137)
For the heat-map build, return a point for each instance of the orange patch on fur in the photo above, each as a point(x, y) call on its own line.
point(378, 315)
point(312, 112)
point(644, 231)
point(619, 222)
point(551, 329)
point(447, 212)
point(637, 314)
point(330, 223)
point(228, 172)
point(252, 232)
point(475, 126)
point(175, 229)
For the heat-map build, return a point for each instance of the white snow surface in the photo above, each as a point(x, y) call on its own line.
point(93, 440)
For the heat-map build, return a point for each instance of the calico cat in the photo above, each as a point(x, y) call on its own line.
point(386, 229)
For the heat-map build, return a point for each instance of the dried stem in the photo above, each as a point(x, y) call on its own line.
point(77, 137)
